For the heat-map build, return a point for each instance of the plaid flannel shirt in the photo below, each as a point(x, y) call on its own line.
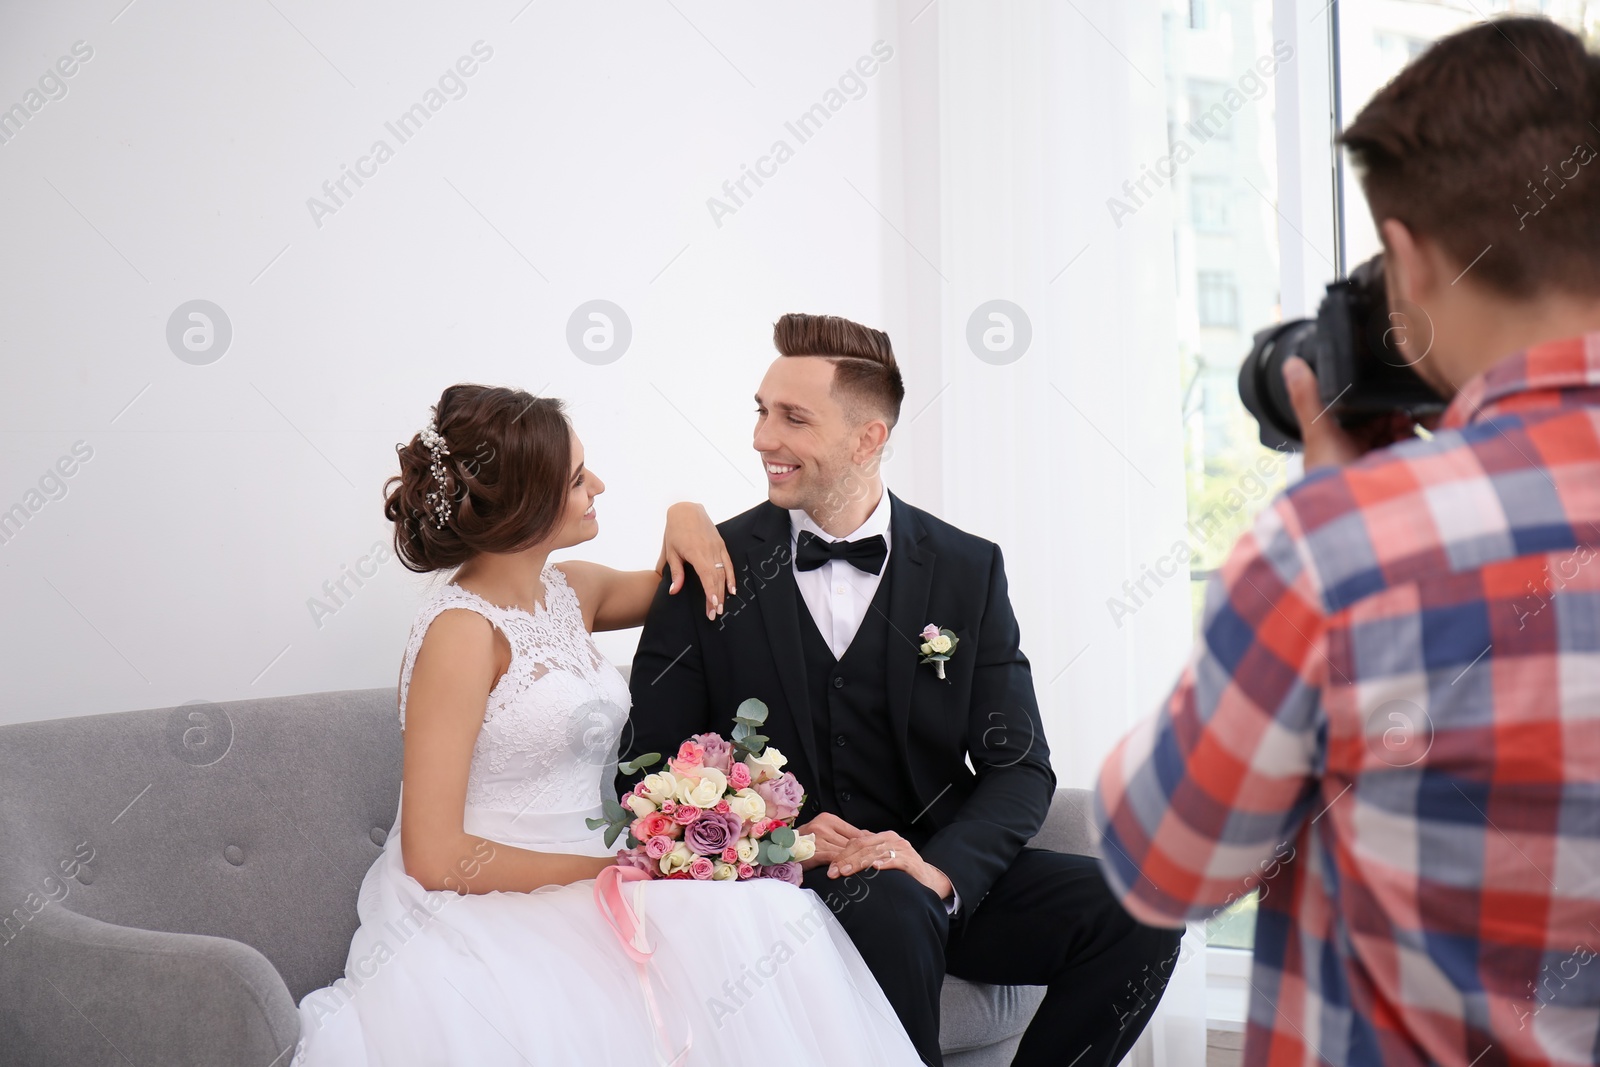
point(1391, 728)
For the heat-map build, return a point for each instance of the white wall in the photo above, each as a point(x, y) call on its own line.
point(220, 497)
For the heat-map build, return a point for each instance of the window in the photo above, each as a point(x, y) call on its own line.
point(1208, 204)
point(1235, 282)
point(1217, 295)
point(1222, 116)
point(1210, 117)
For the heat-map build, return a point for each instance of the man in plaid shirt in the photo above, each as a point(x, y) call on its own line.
point(1391, 724)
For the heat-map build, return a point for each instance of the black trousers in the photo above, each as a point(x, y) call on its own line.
point(1049, 920)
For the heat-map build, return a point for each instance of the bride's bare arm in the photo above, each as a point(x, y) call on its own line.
point(461, 658)
point(617, 600)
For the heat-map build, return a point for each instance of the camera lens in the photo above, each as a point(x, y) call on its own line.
point(1261, 384)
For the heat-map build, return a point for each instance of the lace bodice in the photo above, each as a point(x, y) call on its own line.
point(552, 721)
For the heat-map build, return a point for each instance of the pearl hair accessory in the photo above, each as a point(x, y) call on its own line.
point(437, 499)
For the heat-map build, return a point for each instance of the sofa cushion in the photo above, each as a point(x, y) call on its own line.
point(972, 1015)
point(254, 820)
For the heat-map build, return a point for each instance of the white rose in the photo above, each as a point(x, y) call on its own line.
point(747, 849)
point(722, 872)
point(660, 786)
point(705, 791)
point(748, 805)
point(639, 805)
point(805, 846)
point(941, 644)
point(676, 860)
point(927, 649)
point(767, 766)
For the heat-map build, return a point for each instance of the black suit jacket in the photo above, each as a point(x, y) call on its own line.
point(690, 674)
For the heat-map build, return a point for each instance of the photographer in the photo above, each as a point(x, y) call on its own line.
point(1391, 723)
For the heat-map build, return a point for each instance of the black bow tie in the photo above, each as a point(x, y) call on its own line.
point(866, 554)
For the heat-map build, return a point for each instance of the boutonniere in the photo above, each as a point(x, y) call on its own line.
point(937, 646)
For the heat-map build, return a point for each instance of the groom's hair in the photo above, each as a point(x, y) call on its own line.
point(864, 370)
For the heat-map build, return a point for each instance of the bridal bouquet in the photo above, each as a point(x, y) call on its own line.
point(720, 810)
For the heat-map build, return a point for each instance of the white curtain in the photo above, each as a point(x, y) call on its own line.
point(1018, 126)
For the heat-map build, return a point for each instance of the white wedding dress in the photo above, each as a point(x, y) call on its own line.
point(758, 970)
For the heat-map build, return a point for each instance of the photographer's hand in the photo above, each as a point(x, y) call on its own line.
point(1327, 444)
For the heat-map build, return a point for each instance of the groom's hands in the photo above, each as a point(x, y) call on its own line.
point(832, 835)
point(888, 851)
point(847, 849)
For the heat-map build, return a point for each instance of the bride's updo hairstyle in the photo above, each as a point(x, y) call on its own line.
point(504, 486)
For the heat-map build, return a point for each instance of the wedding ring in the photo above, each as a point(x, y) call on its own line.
point(719, 566)
point(891, 853)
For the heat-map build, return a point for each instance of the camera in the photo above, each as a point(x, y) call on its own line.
point(1353, 345)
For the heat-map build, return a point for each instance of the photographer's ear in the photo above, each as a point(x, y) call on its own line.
point(1410, 273)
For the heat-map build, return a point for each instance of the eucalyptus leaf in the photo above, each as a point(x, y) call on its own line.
point(784, 836)
point(752, 711)
point(595, 824)
point(612, 834)
point(634, 765)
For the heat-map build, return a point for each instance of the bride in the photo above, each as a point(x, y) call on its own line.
point(480, 940)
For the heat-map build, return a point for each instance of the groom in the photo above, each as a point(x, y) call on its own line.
point(921, 857)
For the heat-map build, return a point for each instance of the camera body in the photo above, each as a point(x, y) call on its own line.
point(1355, 347)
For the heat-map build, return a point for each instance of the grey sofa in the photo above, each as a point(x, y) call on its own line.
point(173, 881)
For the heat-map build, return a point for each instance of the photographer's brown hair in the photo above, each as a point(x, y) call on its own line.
point(1489, 141)
point(864, 368)
point(506, 477)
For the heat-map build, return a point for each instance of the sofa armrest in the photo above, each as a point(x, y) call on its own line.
point(1069, 827)
point(76, 990)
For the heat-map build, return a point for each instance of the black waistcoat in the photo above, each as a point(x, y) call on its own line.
point(860, 778)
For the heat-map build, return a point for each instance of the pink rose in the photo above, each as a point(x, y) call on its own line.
point(633, 857)
point(701, 867)
point(739, 777)
point(730, 855)
point(690, 754)
point(722, 807)
point(655, 825)
point(657, 847)
point(668, 807)
point(746, 871)
point(684, 814)
point(929, 632)
point(783, 795)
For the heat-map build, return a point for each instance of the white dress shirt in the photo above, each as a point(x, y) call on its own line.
point(838, 593)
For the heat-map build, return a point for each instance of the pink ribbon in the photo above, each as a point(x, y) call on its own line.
point(629, 928)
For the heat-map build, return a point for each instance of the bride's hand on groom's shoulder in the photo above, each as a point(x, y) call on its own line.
point(691, 537)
